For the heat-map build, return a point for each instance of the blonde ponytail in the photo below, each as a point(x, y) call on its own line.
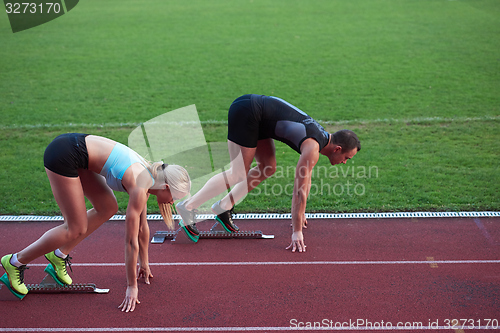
point(177, 178)
point(166, 213)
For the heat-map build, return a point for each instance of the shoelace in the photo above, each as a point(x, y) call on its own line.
point(67, 263)
point(231, 214)
point(20, 271)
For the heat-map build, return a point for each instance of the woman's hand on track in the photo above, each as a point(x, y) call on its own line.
point(130, 300)
point(145, 272)
point(297, 242)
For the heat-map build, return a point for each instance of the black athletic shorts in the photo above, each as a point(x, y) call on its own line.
point(66, 154)
point(243, 122)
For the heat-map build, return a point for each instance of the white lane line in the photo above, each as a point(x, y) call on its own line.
point(232, 329)
point(275, 263)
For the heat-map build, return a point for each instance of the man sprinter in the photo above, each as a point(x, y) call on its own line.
point(254, 121)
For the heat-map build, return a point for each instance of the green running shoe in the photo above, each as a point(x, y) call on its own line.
point(225, 218)
point(188, 218)
point(190, 230)
point(15, 275)
point(59, 266)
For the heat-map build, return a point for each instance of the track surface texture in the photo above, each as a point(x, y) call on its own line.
point(356, 275)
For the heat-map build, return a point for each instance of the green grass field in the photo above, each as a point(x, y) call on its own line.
point(419, 81)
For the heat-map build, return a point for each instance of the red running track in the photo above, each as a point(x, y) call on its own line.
point(357, 274)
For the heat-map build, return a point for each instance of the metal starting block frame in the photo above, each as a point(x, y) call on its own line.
point(216, 232)
point(49, 285)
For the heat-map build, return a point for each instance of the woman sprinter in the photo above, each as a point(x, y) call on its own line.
point(82, 165)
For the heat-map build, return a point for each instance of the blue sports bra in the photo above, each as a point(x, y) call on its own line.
point(120, 159)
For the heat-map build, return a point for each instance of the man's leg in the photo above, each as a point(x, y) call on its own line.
point(241, 159)
point(265, 156)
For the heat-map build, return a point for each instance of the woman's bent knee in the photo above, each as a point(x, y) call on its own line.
point(111, 209)
point(76, 232)
point(107, 208)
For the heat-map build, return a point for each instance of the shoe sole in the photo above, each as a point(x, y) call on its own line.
point(188, 233)
point(228, 229)
point(6, 282)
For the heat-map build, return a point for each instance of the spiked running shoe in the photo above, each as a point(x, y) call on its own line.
point(188, 220)
point(59, 265)
point(15, 275)
point(225, 218)
point(188, 216)
point(190, 230)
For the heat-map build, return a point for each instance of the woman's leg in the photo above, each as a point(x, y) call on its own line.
point(241, 159)
point(68, 193)
point(103, 201)
point(265, 156)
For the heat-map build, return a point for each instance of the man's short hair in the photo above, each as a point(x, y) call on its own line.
point(346, 139)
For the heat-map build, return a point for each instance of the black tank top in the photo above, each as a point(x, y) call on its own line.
point(284, 122)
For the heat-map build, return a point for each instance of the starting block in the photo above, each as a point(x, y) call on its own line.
point(216, 232)
point(49, 285)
